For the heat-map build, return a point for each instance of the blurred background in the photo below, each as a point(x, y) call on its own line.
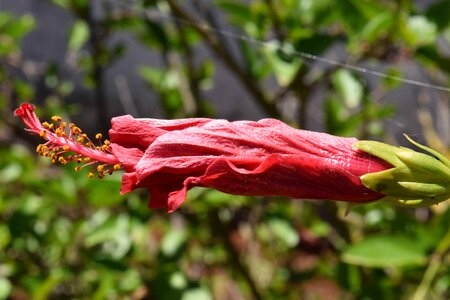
point(64, 236)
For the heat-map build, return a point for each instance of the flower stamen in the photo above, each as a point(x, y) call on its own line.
point(75, 146)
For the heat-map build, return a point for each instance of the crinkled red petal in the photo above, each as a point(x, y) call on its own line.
point(266, 158)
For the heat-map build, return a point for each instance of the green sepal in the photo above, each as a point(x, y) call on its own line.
point(415, 179)
point(425, 189)
point(438, 155)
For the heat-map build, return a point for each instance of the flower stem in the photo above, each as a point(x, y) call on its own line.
point(432, 269)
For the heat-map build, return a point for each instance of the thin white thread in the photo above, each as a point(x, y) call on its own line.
point(155, 15)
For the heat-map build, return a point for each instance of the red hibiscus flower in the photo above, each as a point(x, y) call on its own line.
point(264, 158)
point(168, 157)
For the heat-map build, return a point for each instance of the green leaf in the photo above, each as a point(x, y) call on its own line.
point(156, 36)
point(354, 14)
point(131, 280)
point(239, 13)
point(113, 235)
point(438, 13)
point(197, 294)
point(256, 67)
point(178, 281)
point(206, 74)
point(24, 90)
point(315, 44)
point(377, 26)
point(5, 288)
point(12, 30)
point(78, 35)
point(173, 241)
point(46, 287)
point(10, 173)
point(391, 81)
point(284, 232)
point(348, 87)
point(98, 190)
point(385, 251)
point(420, 31)
point(283, 64)
point(21, 26)
point(5, 236)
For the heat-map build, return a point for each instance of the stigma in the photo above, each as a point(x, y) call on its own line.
point(67, 143)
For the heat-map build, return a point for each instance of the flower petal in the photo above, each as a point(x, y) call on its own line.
point(265, 158)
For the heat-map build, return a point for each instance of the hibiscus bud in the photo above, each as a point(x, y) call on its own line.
point(415, 180)
point(264, 158)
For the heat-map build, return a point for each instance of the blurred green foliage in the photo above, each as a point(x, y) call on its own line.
point(65, 236)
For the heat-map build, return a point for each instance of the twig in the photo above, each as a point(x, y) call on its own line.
point(433, 267)
point(277, 25)
point(96, 42)
point(125, 97)
point(192, 75)
point(223, 230)
point(189, 104)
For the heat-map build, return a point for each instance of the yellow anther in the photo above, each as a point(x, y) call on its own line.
point(87, 159)
point(66, 148)
point(79, 160)
point(90, 175)
point(46, 125)
point(117, 167)
point(76, 130)
point(80, 139)
point(42, 133)
point(98, 136)
point(62, 160)
point(107, 142)
point(77, 168)
point(100, 168)
point(56, 118)
point(58, 132)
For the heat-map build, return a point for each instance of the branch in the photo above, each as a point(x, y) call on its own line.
point(215, 45)
point(277, 25)
point(223, 230)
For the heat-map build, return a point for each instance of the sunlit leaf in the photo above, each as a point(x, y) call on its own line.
point(196, 294)
point(385, 251)
point(348, 87)
point(5, 288)
point(173, 241)
point(284, 232)
point(282, 61)
point(78, 35)
point(420, 31)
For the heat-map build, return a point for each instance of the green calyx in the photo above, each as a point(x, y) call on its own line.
point(415, 180)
